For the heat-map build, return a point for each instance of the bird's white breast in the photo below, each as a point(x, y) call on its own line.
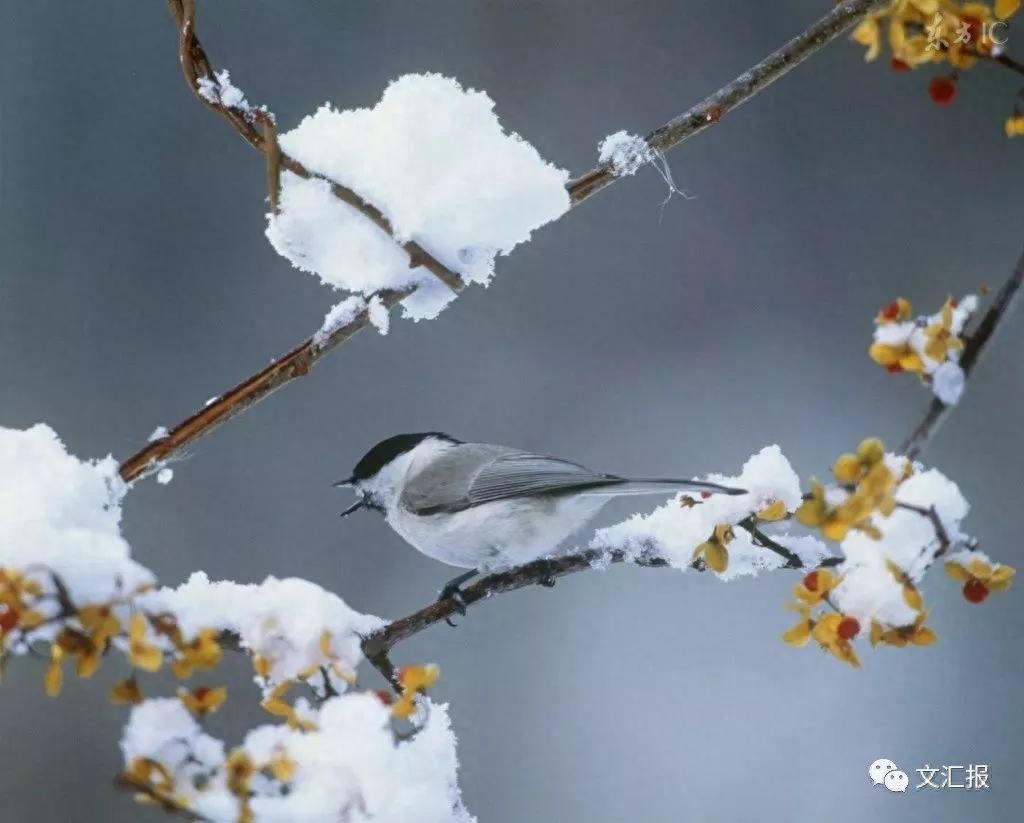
point(496, 535)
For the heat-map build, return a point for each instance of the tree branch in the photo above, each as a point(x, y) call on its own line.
point(378, 645)
point(249, 123)
point(938, 411)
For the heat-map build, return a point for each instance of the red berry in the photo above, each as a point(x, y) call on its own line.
point(811, 581)
point(975, 591)
point(848, 628)
point(973, 28)
point(894, 368)
point(898, 65)
point(891, 311)
point(384, 696)
point(942, 90)
point(8, 619)
point(200, 692)
point(705, 495)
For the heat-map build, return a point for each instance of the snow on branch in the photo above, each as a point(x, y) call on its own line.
point(299, 360)
point(345, 763)
point(419, 155)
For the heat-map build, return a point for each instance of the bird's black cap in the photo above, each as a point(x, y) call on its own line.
point(387, 450)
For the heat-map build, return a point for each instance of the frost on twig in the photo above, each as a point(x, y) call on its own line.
point(625, 153)
point(436, 162)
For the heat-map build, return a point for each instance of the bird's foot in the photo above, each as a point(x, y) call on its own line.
point(453, 591)
point(548, 581)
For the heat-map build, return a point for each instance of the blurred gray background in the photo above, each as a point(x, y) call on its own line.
point(135, 282)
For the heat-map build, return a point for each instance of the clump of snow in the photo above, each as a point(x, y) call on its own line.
point(625, 153)
point(339, 316)
point(353, 762)
point(219, 90)
point(62, 515)
point(162, 730)
point(164, 476)
point(869, 590)
point(280, 620)
point(349, 767)
point(948, 382)
point(674, 530)
point(436, 161)
point(159, 433)
point(380, 319)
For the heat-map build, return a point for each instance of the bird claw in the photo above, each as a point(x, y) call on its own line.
point(455, 596)
point(453, 592)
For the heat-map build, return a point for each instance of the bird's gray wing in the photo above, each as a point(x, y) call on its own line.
point(471, 474)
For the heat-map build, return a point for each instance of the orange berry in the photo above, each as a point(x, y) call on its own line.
point(8, 619)
point(848, 628)
point(975, 591)
point(942, 90)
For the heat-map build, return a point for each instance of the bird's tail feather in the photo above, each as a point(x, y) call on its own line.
point(629, 486)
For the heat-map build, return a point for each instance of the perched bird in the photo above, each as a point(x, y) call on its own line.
point(485, 507)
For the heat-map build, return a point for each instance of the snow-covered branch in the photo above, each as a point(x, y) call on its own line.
point(215, 90)
point(1004, 302)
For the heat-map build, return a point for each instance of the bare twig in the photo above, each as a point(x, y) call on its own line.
point(297, 362)
point(938, 411)
point(711, 110)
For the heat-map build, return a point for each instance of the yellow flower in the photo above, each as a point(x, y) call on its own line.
point(869, 34)
point(834, 633)
point(415, 679)
point(911, 596)
point(152, 773)
point(916, 633)
point(815, 587)
point(239, 770)
point(54, 677)
point(281, 766)
point(801, 632)
point(979, 578)
point(1015, 125)
point(815, 513)
point(126, 691)
point(714, 550)
point(899, 311)
point(1006, 8)
point(203, 700)
point(142, 653)
point(203, 652)
point(101, 622)
point(776, 510)
point(875, 492)
point(939, 336)
point(896, 358)
point(80, 646)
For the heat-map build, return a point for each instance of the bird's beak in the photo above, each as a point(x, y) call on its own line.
point(343, 483)
point(353, 508)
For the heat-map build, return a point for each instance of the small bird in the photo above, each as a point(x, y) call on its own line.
point(485, 507)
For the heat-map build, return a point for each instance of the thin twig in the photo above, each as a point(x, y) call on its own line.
point(711, 110)
point(273, 165)
point(297, 362)
point(129, 783)
point(938, 411)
